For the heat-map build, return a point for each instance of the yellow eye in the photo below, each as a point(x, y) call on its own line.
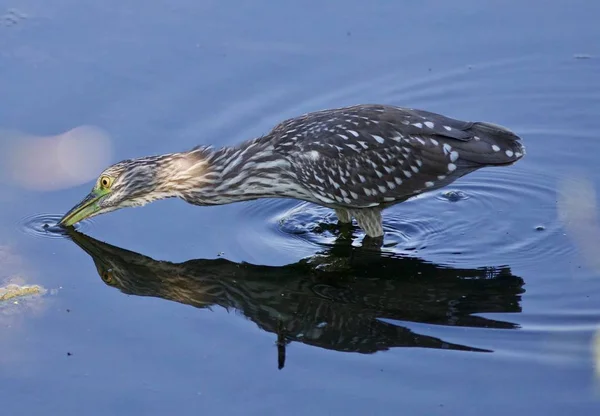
point(105, 182)
point(107, 276)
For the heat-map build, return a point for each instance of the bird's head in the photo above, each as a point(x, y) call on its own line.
point(136, 182)
point(124, 184)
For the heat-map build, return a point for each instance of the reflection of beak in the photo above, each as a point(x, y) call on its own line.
point(98, 251)
point(85, 209)
point(86, 243)
point(90, 246)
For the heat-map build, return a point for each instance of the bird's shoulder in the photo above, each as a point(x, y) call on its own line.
point(347, 131)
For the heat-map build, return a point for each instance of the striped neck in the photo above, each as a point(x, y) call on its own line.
point(245, 172)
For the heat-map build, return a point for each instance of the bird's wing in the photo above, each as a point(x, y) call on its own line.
point(366, 122)
point(369, 155)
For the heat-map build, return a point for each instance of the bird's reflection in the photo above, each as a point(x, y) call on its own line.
point(331, 300)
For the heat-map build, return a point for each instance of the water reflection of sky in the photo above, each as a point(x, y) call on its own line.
point(88, 83)
point(55, 162)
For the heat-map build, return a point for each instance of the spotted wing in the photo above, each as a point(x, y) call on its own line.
point(368, 155)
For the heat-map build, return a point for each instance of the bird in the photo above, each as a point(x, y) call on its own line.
point(356, 160)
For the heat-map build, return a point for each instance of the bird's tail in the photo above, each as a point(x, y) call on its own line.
point(491, 145)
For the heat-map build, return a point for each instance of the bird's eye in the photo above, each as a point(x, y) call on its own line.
point(105, 182)
point(107, 276)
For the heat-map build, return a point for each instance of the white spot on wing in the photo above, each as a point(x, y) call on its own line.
point(495, 148)
point(453, 155)
point(334, 183)
point(429, 124)
point(418, 125)
point(324, 199)
point(313, 155)
point(509, 153)
point(451, 167)
point(379, 139)
point(352, 132)
point(448, 128)
point(447, 148)
point(429, 184)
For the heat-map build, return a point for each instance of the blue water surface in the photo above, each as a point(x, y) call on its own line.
point(485, 298)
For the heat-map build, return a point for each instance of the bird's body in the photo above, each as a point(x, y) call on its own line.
point(356, 160)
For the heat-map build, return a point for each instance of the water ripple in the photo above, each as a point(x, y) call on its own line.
point(45, 226)
point(478, 219)
point(503, 215)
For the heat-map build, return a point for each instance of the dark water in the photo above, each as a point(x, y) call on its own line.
point(485, 299)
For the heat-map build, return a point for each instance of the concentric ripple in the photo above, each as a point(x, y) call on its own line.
point(501, 219)
point(488, 217)
point(45, 226)
point(319, 226)
point(495, 216)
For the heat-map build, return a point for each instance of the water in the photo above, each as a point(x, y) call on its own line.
point(486, 295)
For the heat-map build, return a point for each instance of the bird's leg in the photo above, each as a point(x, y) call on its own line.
point(344, 222)
point(369, 219)
point(343, 216)
point(281, 342)
point(374, 243)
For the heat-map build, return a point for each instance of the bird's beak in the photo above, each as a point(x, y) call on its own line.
point(85, 209)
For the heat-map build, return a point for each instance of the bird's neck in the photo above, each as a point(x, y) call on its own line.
point(204, 176)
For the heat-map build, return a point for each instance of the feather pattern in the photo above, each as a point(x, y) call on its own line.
point(356, 160)
point(369, 155)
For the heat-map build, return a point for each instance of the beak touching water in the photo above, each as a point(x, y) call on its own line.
point(85, 209)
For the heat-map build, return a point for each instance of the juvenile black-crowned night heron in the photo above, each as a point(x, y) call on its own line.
point(356, 160)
